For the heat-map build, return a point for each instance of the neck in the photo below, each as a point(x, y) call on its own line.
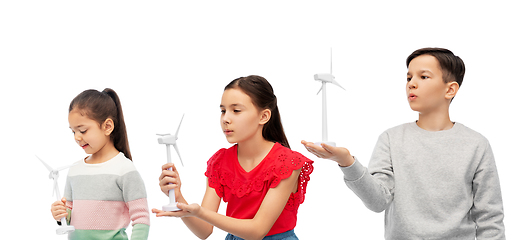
point(435, 121)
point(103, 155)
point(250, 153)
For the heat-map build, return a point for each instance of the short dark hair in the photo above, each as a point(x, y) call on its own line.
point(261, 93)
point(453, 68)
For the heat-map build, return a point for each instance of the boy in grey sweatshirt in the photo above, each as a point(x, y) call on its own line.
point(435, 179)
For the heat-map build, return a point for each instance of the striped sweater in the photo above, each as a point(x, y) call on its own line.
point(104, 198)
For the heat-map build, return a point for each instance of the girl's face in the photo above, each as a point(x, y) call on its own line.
point(88, 133)
point(241, 120)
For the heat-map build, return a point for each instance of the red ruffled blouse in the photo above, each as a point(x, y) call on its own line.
point(245, 191)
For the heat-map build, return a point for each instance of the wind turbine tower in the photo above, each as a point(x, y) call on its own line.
point(169, 139)
point(326, 78)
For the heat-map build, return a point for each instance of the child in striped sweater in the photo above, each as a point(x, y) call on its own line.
point(104, 190)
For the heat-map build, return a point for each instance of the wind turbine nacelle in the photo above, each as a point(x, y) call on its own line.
point(167, 139)
point(324, 77)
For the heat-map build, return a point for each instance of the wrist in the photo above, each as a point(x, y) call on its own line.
point(346, 162)
point(198, 211)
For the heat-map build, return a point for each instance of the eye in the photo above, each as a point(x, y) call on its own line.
point(408, 79)
point(223, 111)
point(237, 111)
point(83, 131)
point(424, 77)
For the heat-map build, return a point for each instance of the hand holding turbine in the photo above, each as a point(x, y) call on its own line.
point(326, 78)
point(54, 174)
point(169, 140)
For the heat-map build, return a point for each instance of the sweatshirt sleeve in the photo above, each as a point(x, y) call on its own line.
point(69, 200)
point(134, 193)
point(375, 187)
point(487, 211)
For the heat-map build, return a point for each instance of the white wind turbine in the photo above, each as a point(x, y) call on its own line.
point(54, 174)
point(326, 78)
point(169, 140)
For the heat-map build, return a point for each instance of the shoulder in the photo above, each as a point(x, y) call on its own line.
point(469, 133)
point(281, 153)
point(123, 164)
point(471, 138)
point(284, 162)
point(119, 165)
point(400, 128)
point(221, 154)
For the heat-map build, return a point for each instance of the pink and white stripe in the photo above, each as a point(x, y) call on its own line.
point(107, 215)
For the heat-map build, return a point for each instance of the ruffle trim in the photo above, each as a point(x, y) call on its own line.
point(287, 162)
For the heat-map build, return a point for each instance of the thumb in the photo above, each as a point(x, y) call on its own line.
point(181, 206)
point(63, 200)
point(328, 148)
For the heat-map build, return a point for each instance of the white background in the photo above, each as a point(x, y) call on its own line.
point(166, 58)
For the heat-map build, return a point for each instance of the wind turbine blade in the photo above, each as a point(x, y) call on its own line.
point(178, 129)
point(337, 84)
point(331, 61)
point(319, 90)
point(46, 165)
point(178, 152)
point(67, 166)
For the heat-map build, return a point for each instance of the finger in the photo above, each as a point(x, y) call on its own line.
point(59, 217)
point(154, 210)
point(168, 166)
point(59, 214)
point(58, 211)
point(160, 213)
point(316, 150)
point(168, 173)
point(57, 203)
point(168, 180)
point(328, 148)
point(58, 208)
point(166, 187)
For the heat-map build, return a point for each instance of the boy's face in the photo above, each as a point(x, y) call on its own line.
point(425, 88)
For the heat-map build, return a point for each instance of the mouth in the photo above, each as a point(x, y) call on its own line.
point(412, 97)
point(228, 131)
point(84, 146)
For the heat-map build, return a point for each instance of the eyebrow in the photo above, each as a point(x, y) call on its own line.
point(233, 105)
point(421, 71)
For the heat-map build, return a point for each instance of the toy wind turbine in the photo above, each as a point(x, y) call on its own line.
point(169, 140)
point(54, 174)
point(326, 78)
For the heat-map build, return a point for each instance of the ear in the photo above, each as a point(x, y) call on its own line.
point(108, 126)
point(452, 89)
point(265, 116)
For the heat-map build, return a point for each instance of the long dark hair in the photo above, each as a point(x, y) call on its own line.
point(261, 93)
point(99, 106)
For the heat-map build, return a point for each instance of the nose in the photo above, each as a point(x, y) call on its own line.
point(225, 119)
point(412, 84)
point(78, 137)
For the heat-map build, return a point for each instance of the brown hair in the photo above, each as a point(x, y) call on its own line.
point(99, 106)
point(453, 68)
point(262, 95)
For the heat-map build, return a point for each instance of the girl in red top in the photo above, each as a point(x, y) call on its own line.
point(262, 180)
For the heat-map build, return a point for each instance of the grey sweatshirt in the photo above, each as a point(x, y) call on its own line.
point(432, 185)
